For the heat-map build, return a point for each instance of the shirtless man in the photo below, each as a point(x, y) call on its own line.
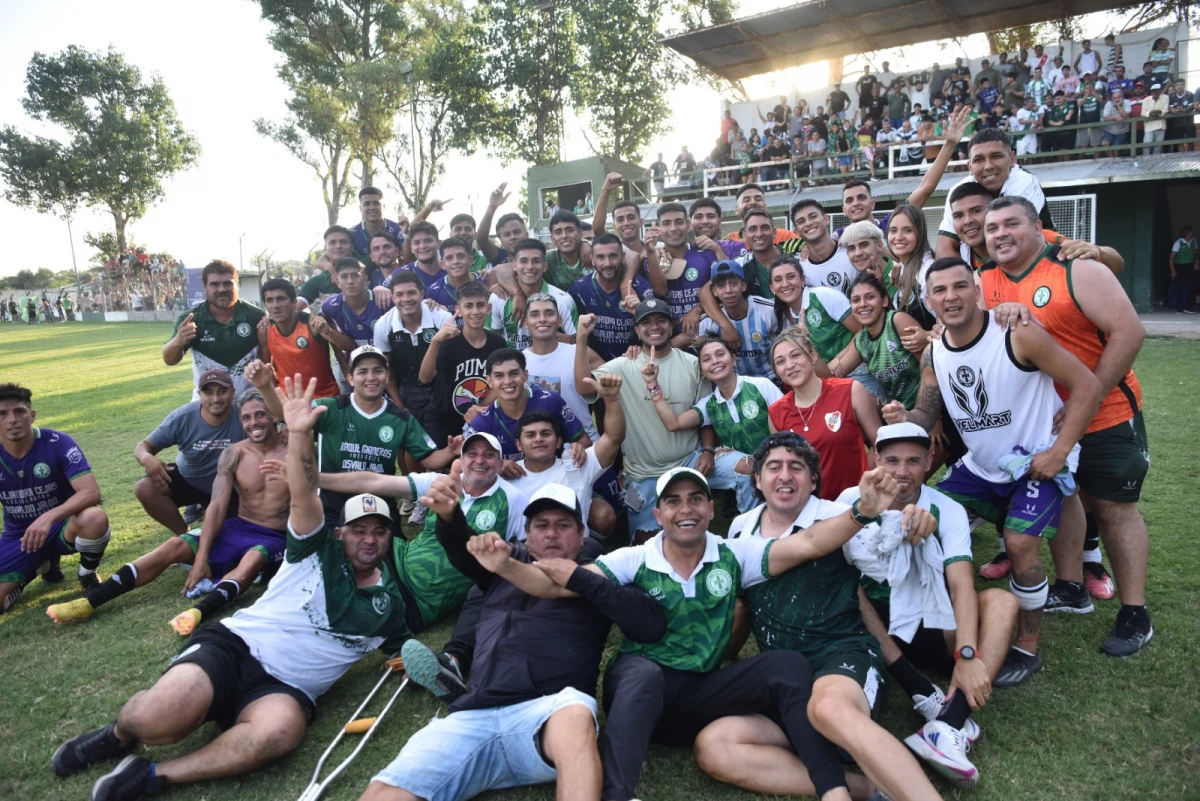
point(236, 549)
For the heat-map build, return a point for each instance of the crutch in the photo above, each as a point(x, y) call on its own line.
point(355, 726)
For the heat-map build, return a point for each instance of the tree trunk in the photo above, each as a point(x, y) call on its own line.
point(993, 45)
point(119, 222)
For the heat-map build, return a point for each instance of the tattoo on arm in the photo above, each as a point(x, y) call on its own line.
point(309, 464)
point(929, 397)
point(227, 469)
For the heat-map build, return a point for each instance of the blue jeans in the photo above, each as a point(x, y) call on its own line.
point(863, 376)
point(723, 477)
point(469, 752)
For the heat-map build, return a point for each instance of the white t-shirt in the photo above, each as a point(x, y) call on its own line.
point(556, 372)
point(836, 272)
point(1019, 182)
point(578, 480)
point(954, 526)
point(520, 338)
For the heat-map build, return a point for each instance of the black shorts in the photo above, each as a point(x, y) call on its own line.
point(928, 648)
point(1113, 462)
point(238, 679)
point(182, 492)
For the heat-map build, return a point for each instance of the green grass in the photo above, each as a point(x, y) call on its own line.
point(1086, 727)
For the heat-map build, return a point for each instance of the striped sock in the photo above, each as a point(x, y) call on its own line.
point(117, 585)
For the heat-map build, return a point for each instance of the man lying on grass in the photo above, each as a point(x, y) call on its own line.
point(258, 674)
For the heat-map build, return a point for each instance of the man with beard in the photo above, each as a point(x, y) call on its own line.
point(257, 674)
point(385, 257)
point(370, 204)
point(599, 294)
point(233, 549)
point(824, 263)
point(201, 430)
point(220, 332)
point(291, 341)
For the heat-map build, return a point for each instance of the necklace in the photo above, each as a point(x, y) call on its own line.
point(811, 409)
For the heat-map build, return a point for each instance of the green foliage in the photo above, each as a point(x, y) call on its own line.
point(120, 138)
point(105, 244)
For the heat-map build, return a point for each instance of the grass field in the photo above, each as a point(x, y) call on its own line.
point(1086, 727)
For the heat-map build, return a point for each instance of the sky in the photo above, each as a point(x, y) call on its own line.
point(246, 190)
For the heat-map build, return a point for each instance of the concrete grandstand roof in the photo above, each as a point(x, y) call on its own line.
point(823, 29)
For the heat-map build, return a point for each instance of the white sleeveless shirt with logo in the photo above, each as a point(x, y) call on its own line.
point(999, 405)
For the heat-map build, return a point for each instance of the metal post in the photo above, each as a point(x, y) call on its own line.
point(891, 161)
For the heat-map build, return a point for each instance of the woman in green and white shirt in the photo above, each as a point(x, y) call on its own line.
point(878, 343)
point(823, 312)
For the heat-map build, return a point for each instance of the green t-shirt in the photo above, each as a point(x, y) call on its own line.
point(227, 346)
point(1060, 112)
point(741, 422)
point(320, 284)
point(812, 608)
point(1185, 251)
point(479, 262)
point(68, 304)
point(561, 274)
point(422, 563)
point(824, 311)
point(700, 608)
point(894, 367)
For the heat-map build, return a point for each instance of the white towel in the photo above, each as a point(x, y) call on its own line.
point(915, 574)
point(203, 587)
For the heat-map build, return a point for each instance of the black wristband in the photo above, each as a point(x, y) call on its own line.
point(860, 518)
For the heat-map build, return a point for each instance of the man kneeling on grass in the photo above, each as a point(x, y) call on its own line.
point(236, 549)
point(530, 715)
point(258, 673)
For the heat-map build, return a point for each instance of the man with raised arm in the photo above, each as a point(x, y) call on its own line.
point(258, 674)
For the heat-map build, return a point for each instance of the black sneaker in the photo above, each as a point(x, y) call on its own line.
point(128, 781)
point(1130, 634)
point(192, 513)
point(1067, 597)
point(435, 672)
point(1017, 667)
point(89, 581)
point(87, 749)
point(50, 572)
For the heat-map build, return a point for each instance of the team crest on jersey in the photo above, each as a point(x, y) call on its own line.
point(243, 329)
point(750, 409)
point(568, 415)
point(41, 470)
point(302, 342)
point(833, 421)
point(835, 280)
point(386, 433)
point(756, 337)
point(485, 519)
point(813, 317)
point(1041, 297)
point(691, 274)
point(719, 582)
point(891, 346)
point(976, 405)
point(381, 603)
point(75, 456)
point(427, 335)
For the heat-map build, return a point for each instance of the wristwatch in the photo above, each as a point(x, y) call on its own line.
point(966, 652)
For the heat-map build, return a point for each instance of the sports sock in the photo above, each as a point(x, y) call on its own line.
point(1000, 538)
point(225, 591)
point(956, 711)
point(1091, 540)
point(117, 585)
point(910, 679)
point(9, 600)
point(91, 551)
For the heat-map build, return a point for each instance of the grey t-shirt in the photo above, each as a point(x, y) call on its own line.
point(200, 444)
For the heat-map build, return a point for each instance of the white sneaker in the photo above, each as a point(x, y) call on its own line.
point(417, 518)
point(971, 731)
point(945, 749)
point(406, 507)
point(930, 706)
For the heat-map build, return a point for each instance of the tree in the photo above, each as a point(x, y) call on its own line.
point(122, 138)
point(1160, 12)
point(355, 50)
point(106, 246)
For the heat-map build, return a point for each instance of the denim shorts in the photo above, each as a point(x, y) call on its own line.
point(469, 752)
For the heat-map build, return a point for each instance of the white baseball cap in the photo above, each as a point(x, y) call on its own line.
point(901, 432)
point(490, 439)
point(365, 351)
point(365, 505)
point(554, 496)
point(681, 474)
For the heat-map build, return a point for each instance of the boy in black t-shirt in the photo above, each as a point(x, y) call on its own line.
point(455, 363)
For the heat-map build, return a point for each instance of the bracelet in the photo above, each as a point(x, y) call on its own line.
point(708, 449)
point(860, 518)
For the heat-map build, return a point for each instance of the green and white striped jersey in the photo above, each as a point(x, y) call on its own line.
point(741, 422)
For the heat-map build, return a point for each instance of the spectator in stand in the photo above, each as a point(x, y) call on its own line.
point(927, 131)
point(961, 70)
point(937, 76)
point(658, 174)
point(1162, 59)
point(866, 145)
point(1014, 93)
point(1090, 107)
point(988, 73)
point(796, 122)
point(887, 78)
point(775, 150)
point(817, 147)
point(1038, 89)
point(840, 145)
point(1061, 113)
point(1039, 58)
point(727, 122)
point(877, 106)
point(1181, 101)
point(1183, 271)
point(987, 95)
point(1147, 78)
point(1068, 84)
point(1118, 81)
point(685, 167)
point(938, 109)
point(1154, 108)
point(1135, 109)
point(919, 94)
point(1022, 72)
point(1005, 68)
point(1088, 60)
point(1027, 121)
point(899, 105)
point(1116, 56)
point(580, 207)
point(838, 101)
point(590, 202)
point(911, 155)
point(865, 86)
point(1116, 112)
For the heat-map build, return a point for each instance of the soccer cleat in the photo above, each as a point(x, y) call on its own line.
point(1130, 634)
point(998, 568)
point(131, 779)
point(1070, 598)
point(50, 572)
point(435, 672)
point(930, 706)
point(186, 622)
point(89, 581)
point(945, 749)
point(71, 612)
point(192, 513)
point(1018, 666)
point(87, 749)
point(1099, 583)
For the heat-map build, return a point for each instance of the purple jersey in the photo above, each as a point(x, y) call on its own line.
point(732, 248)
point(504, 428)
point(39, 481)
point(441, 293)
point(359, 327)
point(361, 239)
point(683, 293)
point(613, 333)
point(427, 280)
